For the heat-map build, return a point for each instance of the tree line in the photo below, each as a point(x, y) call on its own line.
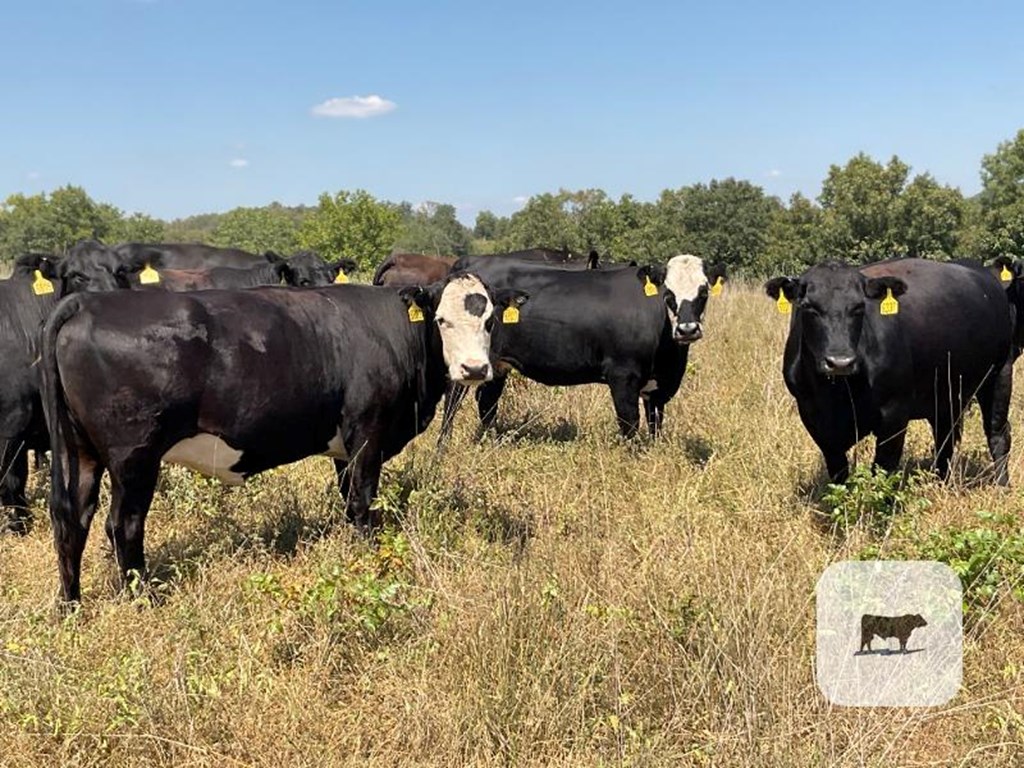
point(866, 210)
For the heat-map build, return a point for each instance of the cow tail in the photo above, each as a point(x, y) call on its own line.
point(58, 420)
point(384, 266)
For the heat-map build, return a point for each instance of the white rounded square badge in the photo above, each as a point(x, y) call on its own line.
point(889, 633)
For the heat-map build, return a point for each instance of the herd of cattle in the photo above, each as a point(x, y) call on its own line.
point(120, 358)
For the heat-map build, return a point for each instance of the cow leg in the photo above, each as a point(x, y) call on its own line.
point(365, 478)
point(994, 399)
point(654, 411)
point(626, 399)
point(71, 525)
point(487, 396)
point(947, 434)
point(13, 476)
point(341, 470)
point(131, 492)
point(889, 441)
point(454, 394)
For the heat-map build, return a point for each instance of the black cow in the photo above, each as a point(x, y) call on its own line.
point(616, 326)
point(91, 266)
point(181, 255)
point(1010, 273)
point(302, 270)
point(232, 383)
point(25, 304)
point(536, 256)
point(885, 627)
point(871, 349)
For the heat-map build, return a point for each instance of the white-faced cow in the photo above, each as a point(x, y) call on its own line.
point(871, 349)
point(629, 327)
point(232, 383)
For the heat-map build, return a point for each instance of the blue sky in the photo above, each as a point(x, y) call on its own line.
point(174, 107)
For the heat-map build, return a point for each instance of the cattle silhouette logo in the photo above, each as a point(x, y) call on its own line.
point(885, 627)
point(889, 633)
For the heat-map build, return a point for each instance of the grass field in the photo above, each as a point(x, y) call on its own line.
point(547, 595)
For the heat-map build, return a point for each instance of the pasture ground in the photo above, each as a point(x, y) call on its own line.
point(546, 596)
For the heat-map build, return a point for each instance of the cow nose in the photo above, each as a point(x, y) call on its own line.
point(476, 372)
point(688, 332)
point(839, 365)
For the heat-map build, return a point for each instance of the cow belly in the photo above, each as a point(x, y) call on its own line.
point(207, 454)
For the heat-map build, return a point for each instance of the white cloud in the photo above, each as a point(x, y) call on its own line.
point(32, 175)
point(774, 173)
point(520, 199)
point(239, 162)
point(354, 106)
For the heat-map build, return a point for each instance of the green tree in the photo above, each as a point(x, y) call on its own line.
point(137, 228)
point(52, 223)
point(257, 230)
point(859, 204)
point(433, 228)
point(1002, 198)
point(928, 219)
point(543, 222)
point(793, 238)
point(351, 225)
point(723, 221)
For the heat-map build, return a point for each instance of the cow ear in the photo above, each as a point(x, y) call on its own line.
point(653, 272)
point(273, 258)
point(284, 270)
point(49, 266)
point(593, 260)
point(715, 272)
point(787, 286)
point(875, 287)
point(510, 297)
point(418, 295)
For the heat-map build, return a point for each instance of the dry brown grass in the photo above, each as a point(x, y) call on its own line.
point(554, 597)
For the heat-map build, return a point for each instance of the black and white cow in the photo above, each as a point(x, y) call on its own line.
point(232, 383)
point(628, 327)
point(871, 349)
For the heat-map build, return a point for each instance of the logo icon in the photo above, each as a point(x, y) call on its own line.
point(889, 633)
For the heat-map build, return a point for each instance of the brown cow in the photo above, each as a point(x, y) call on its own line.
point(400, 270)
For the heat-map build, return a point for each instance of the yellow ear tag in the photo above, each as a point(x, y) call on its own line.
point(415, 313)
point(783, 304)
point(342, 277)
point(1005, 275)
point(889, 305)
point(716, 289)
point(650, 289)
point(510, 316)
point(41, 286)
point(148, 276)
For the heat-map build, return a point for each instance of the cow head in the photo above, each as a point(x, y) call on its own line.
point(90, 266)
point(464, 312)
point(917, 620)
point(829, 303)
point(27, 264)
point(302, 270)
point(686, 295)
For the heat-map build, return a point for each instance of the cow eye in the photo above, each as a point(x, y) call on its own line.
point(857, 310)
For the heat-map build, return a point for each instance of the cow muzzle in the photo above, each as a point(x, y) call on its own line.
point(839, 365)
point(687, 333)
point(475, 373)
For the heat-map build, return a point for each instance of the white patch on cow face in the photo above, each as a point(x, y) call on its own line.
point(684, 279)
point(207, 454)
point(463, 318)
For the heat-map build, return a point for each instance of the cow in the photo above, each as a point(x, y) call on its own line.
point(535, 256)
point(91, 266)
point(400, 270)
point(26, 299)
point(1010, 273)
point(885, 627)
point(182, 255)
point(629, 327)
point(871, 349)
point(302, 270)
point(232, 383)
